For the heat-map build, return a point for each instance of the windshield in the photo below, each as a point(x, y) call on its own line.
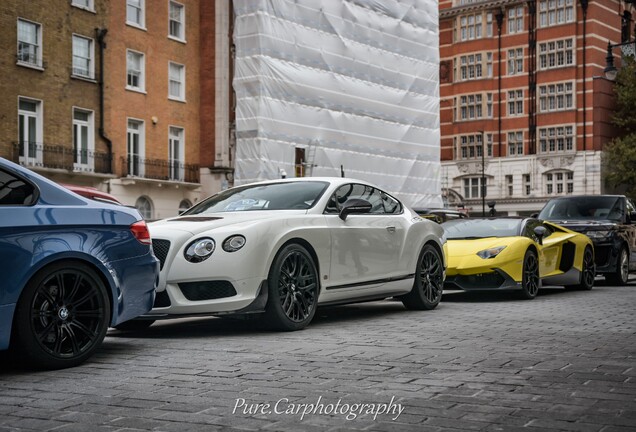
point(462, 229)
point(272, 196)
point(583, 208)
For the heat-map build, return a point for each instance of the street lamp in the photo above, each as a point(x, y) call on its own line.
point(627, 48)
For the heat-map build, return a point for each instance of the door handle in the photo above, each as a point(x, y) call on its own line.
point(390, 229)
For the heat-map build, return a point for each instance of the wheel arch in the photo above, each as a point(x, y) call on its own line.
point(304, 243)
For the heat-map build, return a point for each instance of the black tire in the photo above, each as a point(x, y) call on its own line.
point(588, 272)
point(530, 282)
point(429, 283)
point(62, 316)
point(620, 277)
point(134, 325)
point(292, 289)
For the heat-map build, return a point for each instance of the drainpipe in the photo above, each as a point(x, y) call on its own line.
point(584, 4)
point(101, 35)
point(499, 18)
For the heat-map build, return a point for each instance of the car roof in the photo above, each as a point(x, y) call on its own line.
point(92, 193)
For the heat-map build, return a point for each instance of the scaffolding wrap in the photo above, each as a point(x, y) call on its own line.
point(352, 83)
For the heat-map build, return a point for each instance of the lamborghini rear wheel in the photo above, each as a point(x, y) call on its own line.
point(530, 282)
point(588, 272)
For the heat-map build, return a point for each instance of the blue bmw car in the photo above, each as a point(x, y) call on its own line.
point(70, 267)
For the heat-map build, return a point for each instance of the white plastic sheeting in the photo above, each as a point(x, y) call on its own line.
point(353, 82)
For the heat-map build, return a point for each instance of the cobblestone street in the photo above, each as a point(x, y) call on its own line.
point(480, 361)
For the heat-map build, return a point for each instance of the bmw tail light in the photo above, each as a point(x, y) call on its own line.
point(140, 231)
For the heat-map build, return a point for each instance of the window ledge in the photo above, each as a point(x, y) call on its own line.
point(83, 78)
point(176, 39)
point(30, 66)
point(137, 26)
point(136, 90)
point(176, 99)
point(84, 8)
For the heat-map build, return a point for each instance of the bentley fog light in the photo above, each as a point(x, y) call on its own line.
point(491, 252)
point(233, 243)
point(199, 250)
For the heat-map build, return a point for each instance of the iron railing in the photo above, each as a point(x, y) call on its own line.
point(159, 169)
point(38, 155)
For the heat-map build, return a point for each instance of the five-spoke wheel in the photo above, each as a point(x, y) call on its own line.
point(588, 272)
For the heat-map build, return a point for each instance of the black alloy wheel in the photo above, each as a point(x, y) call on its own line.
point(429, 281)
point(530, 282)
point(62, 315)
point(621, 276)
point(588, 272)
point(293, 289)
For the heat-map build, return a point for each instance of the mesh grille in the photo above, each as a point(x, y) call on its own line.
point(488, 280)
point(207, 290)
point(161, 248)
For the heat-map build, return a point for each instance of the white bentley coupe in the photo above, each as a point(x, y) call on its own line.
point(281, 248)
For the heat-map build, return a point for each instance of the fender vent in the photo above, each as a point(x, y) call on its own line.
point(567, 257)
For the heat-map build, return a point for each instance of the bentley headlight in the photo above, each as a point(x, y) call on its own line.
point(233, 243)
point(199, 250)
point(490, 252)
point(597, 234)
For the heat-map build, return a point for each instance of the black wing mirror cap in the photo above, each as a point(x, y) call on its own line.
point(354, 206)
point(540, 232)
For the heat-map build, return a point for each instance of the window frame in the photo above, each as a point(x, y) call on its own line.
point(515, 102)
point(90, 145)
point(182, 84)
point(25, 157)
point(468, 186)
point(141, 152)
point(514, 63)
point(515, 140)
point(182, 22)
point(39, 45)
point(90, 7)
point(545, 136)
point(142, 72)
point(550, 54)
point(141, 12)
point(546, 99)
point(91, 58)
point(179, 174)
point(559, 182)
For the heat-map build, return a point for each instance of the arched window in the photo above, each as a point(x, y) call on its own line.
point(184, 205)
point(144, 205)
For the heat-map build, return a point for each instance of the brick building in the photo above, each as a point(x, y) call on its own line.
point(131, 97)
point(522, 82)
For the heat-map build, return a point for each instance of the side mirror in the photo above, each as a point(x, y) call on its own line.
point(354, 206)
point(540, 232)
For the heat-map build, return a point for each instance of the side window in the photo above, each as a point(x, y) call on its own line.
point(617, 212)
point(15, 191)
point(630, 207)
point(381, 203)
point(529, 229)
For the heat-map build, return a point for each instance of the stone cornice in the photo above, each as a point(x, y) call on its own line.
point(484, 5)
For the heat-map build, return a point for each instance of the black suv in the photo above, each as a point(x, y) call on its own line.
point(609, 220)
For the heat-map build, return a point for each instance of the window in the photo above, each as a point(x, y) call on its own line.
point(381, 203)
point(556, 54)
point(176, 21)
point(473, 187)
point(509, 185)
point(83, 57)
point(559, 182)
point(555, 12)
point(84, 4)
point(515, 61)
point(29, 43)
point(15, 190)
point(515, 102)
point(526, 184)
point(135, 141)
point(135, 66)
point(556, 139)
point(556, 97)
point(30, 131)
point(515, 19)
point(135, 13)
point(515, 143)
point(474, 66)
point(176, 150)
point(471, 107)
point(144, 205)
point(474, 26)
point(470, 146)
point(184, 205)
point(176, 77)
point(83, 140)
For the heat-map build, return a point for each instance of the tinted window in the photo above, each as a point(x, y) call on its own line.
point(15, 191)
point(381, 202)
point(272, 196)
point(584, 208)
point(481, 228)
point(531, 224)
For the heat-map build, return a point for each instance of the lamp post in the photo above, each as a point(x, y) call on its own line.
point(483, 174)
point(627, 48)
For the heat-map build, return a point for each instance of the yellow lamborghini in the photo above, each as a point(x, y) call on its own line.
point(516, 253)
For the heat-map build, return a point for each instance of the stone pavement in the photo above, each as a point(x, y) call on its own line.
point(480, 361)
